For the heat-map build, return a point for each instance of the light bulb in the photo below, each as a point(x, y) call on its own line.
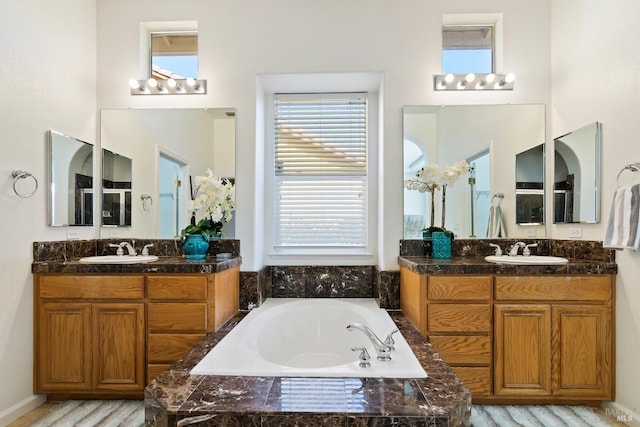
point(449, 78)
point(134, 84)
point(509, 77)
point(191, 81)
point(489, 78)
point(469, 78)
point(152, 82)
point(172, 83)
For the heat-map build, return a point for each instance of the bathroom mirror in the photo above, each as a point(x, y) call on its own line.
point(488, 137)
point(576, 183)
point(530, 186)
point(116, 189)
point(70, 180)
point(168, 147)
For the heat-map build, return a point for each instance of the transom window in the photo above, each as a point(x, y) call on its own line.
point(467, 49)
point(320, 170)
point(174, 55)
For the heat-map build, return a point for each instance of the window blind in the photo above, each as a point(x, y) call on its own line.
point(320, 170)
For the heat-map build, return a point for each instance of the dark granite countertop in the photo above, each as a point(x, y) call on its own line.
point(164, 265)
point(178, 398)
point(463, 265)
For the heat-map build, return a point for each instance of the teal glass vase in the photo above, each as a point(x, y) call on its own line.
point(195, 246)
point(441, 245)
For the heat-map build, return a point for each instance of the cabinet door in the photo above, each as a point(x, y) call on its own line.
point(118, 346)
point(63, 356)
point(522, 350)
point(581, 345)
point(226, 298)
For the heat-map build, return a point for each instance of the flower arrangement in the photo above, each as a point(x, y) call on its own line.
point(434, 177)
point(215, 198)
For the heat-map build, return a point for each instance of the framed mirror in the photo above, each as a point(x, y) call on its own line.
point(168, 147)
point(576, 183)
point(530, 186)
point(488, 137)
point(116, 189)
point(70, 180)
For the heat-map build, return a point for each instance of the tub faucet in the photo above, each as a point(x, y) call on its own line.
point(381, 347)
point(514, 249)
point(129, 247)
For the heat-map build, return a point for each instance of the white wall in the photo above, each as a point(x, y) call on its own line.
point(597, 80)
point(48, 68)
point(242, 39)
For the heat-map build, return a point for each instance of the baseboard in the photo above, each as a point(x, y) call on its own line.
point(19, 409)
point(621, 413)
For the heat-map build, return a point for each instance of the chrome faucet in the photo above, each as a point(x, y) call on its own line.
point(497, 248)
point(514, 249)
point(129, 247)
point(382, 349)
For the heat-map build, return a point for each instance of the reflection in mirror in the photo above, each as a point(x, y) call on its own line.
point(488, 137)
point(70, 180)
point(168, 146)
point(576, 188)
point(116, 189)
point(530, 186)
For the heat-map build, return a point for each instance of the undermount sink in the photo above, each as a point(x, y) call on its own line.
point(526, 260)
point(118, 259)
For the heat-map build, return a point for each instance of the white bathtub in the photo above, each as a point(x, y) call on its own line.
point(290, 337)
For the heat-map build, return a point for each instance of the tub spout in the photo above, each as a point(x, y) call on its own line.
point(382, 349)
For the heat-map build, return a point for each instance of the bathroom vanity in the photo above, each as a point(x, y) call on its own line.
point(526, 333)
point(107, 330)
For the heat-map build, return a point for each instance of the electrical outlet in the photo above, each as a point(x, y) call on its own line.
point(575, 233)
point(73, 234)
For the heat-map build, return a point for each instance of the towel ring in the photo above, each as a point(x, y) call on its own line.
point(633, 167)
point(146, 198)
point(498, 196)
point(20, 174)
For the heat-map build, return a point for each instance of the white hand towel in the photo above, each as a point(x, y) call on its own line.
point(623, 230)
point(496, 227)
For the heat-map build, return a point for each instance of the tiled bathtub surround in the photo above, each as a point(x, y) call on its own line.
point(178, 398)
point(587, 250)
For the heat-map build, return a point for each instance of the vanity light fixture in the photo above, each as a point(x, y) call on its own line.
point(485, 81)
point(170, 86)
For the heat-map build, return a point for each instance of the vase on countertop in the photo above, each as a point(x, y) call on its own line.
point(194, 246)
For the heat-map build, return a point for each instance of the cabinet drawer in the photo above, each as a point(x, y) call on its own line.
point(459, 317)
point(463, 350)
point(478, 380)
point(177, 287)
point(459, 288)
point(90, 286)
point(170, 347)
point(554, 288)
point(177, 317)
point(155, 369)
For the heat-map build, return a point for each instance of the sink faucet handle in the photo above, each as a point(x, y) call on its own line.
point(130, 248)
point(145, 249)
point(119, 251)
point(498, 249)
point(364, 356)
point(526, 251)
point(389, 339)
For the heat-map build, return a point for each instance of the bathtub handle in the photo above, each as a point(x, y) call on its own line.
point(364, 356)
point(389, 339)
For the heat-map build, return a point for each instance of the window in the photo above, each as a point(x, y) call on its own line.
point(320, 170)
point(467, 49)
point(174, 55)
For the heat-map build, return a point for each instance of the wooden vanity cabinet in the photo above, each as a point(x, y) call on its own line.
point(554, 336)
point(454, 312)
point(183, 309)
point(544, 338)
point(89, 334)
point(109, 335)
